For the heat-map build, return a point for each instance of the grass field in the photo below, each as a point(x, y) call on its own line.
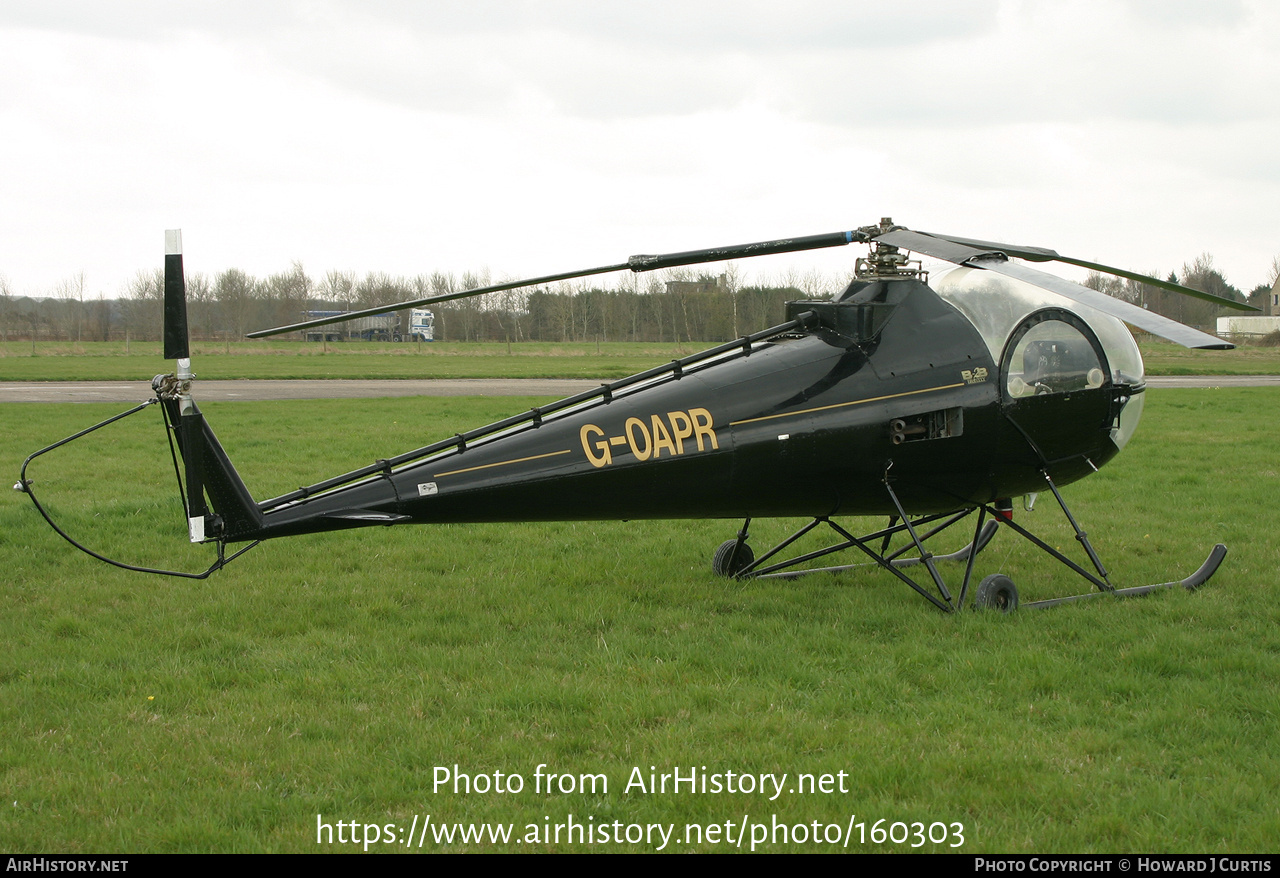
point(336, 675)
point(1166, 358)
point(108, 361)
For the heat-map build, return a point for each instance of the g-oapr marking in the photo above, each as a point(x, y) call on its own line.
point(648, 441)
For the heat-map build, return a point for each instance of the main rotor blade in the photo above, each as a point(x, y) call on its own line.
point(1126, 311)
point(176, 346)
point(1043, 254)
point(1163, 284)
point(1033, 254)
point(931, 245)
point(431, 300)
point(995, 257)
point(635, 263)
point(744, 251)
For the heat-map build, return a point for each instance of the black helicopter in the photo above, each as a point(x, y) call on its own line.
point(920, 403)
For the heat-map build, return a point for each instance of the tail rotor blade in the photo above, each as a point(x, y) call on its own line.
point(187, 420)
point(176, 346)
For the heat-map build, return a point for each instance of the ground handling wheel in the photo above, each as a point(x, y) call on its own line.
point(997, 592)
point(732, 558)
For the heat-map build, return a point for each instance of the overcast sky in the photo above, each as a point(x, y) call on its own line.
point(534, 137)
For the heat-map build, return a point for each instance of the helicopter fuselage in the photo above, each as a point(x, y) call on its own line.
point(891, 385)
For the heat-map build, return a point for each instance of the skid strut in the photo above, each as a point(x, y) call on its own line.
point(921, 529)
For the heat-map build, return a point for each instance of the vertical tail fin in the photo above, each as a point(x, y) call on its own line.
point(206, 464)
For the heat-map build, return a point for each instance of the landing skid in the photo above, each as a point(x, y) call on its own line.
point(1191, 583)
point(735, 557)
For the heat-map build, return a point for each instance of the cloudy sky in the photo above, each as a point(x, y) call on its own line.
point(534, 137)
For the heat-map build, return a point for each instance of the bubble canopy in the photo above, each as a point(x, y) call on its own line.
point(1056, 353)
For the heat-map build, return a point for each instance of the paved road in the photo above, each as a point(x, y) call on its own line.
point(1214, 381)
point(136, 391)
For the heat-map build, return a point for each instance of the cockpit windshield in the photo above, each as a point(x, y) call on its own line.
point(1053, 356)
point(996, 304)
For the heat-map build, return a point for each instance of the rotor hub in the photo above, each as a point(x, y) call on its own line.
point(885, 261)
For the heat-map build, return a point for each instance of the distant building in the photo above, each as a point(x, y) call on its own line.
point(1247, 327)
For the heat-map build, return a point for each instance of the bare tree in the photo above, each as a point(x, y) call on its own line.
point(732, 284)
point(508, 307)
point(99, 318)
point(382, 289)
point(288, 292)
point(628, 287)
point(656, 297)
point(237, 294)
point(814, 284)
point(144, 304)
point(1104, 283)
point(471, 306)
point(6, 307)
point(1200, 274)
point(442, 283)
point(339, 287)
point(202, 304)
point(70, 312)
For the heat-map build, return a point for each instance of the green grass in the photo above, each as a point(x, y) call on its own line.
point(331, 675)
point(108, 361)
point(1167, 358)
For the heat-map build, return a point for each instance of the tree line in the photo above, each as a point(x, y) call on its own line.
point(667, 306)
point(670, 306)
point(1199, 274)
